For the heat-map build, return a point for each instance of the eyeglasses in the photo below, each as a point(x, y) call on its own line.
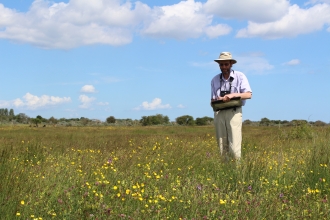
point(224, 64)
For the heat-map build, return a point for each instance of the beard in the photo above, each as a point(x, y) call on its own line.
point(225, 71)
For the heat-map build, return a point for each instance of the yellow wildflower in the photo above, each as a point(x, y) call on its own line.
point(222, 202)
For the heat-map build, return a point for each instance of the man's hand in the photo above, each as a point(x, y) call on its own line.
point(218, 98)
point(227, 97)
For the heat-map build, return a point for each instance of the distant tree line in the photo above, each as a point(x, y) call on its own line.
point(295, 122)
point(8, 116)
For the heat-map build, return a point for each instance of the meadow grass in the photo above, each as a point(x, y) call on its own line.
point(163, 173)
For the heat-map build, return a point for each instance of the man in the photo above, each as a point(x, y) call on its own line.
point(228, 121)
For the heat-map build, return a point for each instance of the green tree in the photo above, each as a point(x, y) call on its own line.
point(84, 121)
point(275, 122)
point(204, 121)
point(41, 118)
point(320, 123)
point(22, 118)
point(36, 121)
point(5, 112)
point(297, 122)
point(265, 122)
point(154, 120)
point(185, 120)
point(247, 122)
point(111, 119)
point(53, 120)
point(11, 112)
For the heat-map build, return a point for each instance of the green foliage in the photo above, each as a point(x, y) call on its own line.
point(185, 120)
point(154, 120)
point(5, 112)
point(111, 119)
point(22, 118)
point(5, 115)
point(84, 121)
point(247, 122)
point(11, 113)
point(36, 121)
point(41, 119)
point(52, 120)
point(298, 122)
point(204, 121)
point(302, 131)
point(319, 123)
point(265, 122)
point(276, 122)
point(161, 173)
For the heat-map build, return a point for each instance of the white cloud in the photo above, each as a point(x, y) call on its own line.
point(296, 21)
point(5, 104)
point(114, 22)
point(33, 102)
point(253, 10)
point(86, 101)
point(312, 2)
point(181, 21)
point(155, 104)
point(103, 103)
point(181, 106)
point(72, 24)
point(88, 89)
point(292, 62)
point(82, 22)
point(252, 64)
point(217, 30)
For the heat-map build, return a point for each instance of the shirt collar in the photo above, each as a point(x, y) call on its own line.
point(231, 75)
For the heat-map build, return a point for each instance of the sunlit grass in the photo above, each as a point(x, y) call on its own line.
point(162, 173)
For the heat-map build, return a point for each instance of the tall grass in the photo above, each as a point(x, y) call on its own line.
point(163, 173)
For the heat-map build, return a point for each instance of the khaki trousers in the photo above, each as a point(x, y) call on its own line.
point(228, 128)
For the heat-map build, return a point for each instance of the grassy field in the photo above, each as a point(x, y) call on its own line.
point(163, 173)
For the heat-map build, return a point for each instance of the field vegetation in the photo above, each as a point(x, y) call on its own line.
point(163, 172)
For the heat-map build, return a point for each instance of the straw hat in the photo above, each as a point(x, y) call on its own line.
point(225, 56)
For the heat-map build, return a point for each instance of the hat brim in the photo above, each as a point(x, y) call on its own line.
point(217, 60)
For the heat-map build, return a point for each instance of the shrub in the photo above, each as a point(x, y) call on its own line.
point(204, 121)
point(154, 120)
point(111, 120)
point(185, 120)
point(303, 131)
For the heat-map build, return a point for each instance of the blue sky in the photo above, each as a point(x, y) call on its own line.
point(128, 59)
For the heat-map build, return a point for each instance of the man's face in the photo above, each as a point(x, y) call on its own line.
point(225, 66)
